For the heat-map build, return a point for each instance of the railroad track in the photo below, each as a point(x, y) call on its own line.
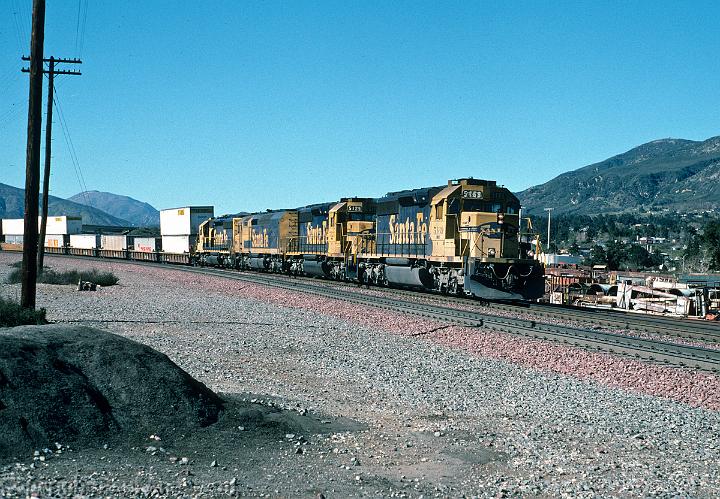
point(669, 326)
point(690, 329)
point(639, 348)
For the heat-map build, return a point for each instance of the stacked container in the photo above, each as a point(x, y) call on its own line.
point(148, 244)
point(13, 230)
point(62, 225)
point(179, 227)
point(114, 242)
point(56, 234)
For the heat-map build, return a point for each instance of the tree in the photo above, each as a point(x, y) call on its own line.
point(615, 255)
point(638, 257)
point(597, 255)
point(692, 249)
point(711, 241)
point(574, 249)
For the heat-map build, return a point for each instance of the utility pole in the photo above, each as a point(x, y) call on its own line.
point(32, 164)
point(51, 72)
point(549, 210)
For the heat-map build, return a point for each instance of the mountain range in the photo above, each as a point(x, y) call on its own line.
point(12, 205)
point(136, 212)
point(667, 175)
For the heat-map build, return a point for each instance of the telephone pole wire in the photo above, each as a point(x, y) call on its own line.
point(32, 164)
point(51, 72)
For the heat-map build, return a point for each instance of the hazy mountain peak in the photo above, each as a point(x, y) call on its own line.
point(137, 212)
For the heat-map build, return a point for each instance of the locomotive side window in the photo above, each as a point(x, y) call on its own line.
point(453, 206)
point(362, 217)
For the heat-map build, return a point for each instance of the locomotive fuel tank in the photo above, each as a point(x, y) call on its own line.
point(400, 273)
point(315, 266)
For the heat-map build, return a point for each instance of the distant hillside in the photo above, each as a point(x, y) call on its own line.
point(663, 175)
point(138, 213)
point(12, 205)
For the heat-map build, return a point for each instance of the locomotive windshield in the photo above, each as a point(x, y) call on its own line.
point(477, 205)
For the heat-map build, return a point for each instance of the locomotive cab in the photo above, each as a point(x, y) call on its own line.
point(214, 242)
point(351, 221)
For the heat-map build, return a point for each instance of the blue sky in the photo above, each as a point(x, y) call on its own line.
point(254, 105)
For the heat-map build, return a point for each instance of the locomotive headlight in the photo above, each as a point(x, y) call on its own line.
point(491, 252)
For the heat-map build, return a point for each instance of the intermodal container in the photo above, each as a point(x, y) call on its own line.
point(114, 242)
point(148, 244)
point(56, 240)
point(178, 244)
point(63, 225)
point(13, 227)
point(85, 241)
point(184, 221)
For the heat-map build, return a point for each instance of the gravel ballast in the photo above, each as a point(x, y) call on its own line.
point(406, 414)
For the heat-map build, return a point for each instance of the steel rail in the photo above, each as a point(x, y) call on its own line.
point(681, 328)
point(641, 348)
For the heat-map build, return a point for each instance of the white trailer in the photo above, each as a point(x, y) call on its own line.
point(13, 226)
point(55, 225)
point(85, 241)
point(147, 244)
point(56, 240)
point(184, 221)
point(62, 225)
point(115, 242)
point(178, 244)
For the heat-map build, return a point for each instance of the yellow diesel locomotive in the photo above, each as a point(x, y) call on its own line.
point(462, 238)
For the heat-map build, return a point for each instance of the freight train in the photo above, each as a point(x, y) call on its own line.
point(463, 238)
point(460, 238)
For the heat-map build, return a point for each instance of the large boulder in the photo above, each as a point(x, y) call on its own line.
point(84, 386)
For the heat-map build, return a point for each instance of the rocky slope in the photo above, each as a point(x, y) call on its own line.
point(663, 175)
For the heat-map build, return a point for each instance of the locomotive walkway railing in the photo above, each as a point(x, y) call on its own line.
point(385, 244)
point(301, 245)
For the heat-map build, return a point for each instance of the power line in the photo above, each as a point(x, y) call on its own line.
point(71, 149)
point(82, 30)
point(23, 21)
point(18, 31)
point(77, 28)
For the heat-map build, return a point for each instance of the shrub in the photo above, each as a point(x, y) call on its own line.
point(12, 314)
point(49, 276)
